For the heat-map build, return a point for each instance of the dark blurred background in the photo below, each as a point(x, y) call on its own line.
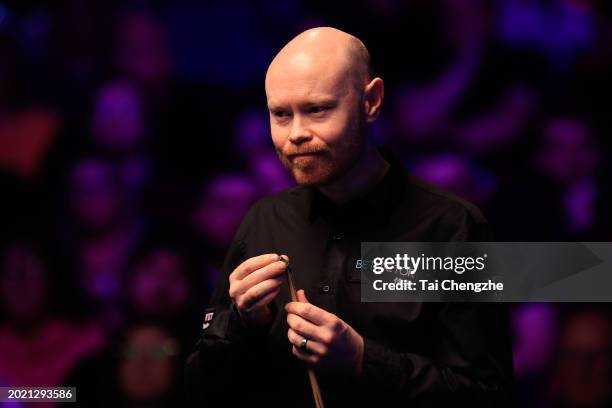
point(134, 136)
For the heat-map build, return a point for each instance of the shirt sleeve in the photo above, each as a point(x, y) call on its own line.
point(225, 347)
point(471, 364)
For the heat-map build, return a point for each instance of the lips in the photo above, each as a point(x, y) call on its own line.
point(304, 154)
point(303, 158)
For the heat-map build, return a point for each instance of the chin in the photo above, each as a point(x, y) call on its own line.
point(310, 179)
point(319, 173)
point(320, 179)
point(303, 180)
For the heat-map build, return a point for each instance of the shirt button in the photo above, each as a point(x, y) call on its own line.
point(325, 289)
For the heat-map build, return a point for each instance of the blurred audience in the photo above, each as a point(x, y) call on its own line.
point(252, 141)
point(582, 371)
point(142, 53)
point(141, 370)
point(535, 333)
point(224, 203)
point(102, 236)
point(27, 129)
point(162, 285)
point(457, 175)
point(119, 129)
point(147, 368)
point(569, 157)
point(39, 346)
point(134, 138)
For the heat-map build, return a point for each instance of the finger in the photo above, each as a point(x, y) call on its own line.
point(306, 357)
point(312, 346)
point(306, 329)
point(265, 300)
point(310, 312)
point(301, 296)
point(252, 264)
point(271, 271)
point(257, 293)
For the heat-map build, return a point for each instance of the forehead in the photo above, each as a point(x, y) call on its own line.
point(305, 78)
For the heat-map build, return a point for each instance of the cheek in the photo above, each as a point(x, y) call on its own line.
point(335, 129)
point(331, 131)
point(345, 118)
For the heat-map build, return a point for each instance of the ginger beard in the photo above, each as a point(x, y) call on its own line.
point(321, 164)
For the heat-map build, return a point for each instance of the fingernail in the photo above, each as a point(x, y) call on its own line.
point(282, 258)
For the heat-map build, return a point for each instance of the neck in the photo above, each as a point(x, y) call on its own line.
point(361, 177)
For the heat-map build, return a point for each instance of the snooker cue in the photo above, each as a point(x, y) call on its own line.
point(314, 384)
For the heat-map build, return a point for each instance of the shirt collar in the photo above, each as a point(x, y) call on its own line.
point(378, 202)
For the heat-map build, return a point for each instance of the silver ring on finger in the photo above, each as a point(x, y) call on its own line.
point(303, 344)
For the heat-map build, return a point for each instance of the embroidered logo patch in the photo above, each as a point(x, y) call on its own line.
point(208, 318)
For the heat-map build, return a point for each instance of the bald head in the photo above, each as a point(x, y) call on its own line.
point(326, 47)
point(321, 97)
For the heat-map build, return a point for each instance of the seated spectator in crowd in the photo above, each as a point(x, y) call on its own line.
point(140, 370)
point(39, 347)
point(535, 333)
point(569, 157)
point(252, 141)
point(100, 235)
point(582, 371)
point(225, 201)
point(161, 285)
point(119, 130)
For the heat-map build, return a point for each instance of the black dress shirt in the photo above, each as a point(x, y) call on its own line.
point(415, 354)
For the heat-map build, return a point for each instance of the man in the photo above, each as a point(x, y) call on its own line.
point(256, 342)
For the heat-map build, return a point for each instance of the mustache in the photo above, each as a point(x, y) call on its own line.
point(311, 150)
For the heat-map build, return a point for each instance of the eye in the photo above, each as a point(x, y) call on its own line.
point(279, 114)
point(318, 109)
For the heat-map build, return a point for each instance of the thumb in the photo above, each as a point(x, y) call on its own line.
point(301, 296)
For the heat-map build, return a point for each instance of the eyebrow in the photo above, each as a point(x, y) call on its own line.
point(322, 101)
point(308, 104)
point(273, 108)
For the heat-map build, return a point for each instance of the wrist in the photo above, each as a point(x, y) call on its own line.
point(257, 320)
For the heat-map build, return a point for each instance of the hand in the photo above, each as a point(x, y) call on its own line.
point(253, 285)
point(331, 341)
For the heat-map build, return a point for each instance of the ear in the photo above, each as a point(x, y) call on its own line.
point(373, 95)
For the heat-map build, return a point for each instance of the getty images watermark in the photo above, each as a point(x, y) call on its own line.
point(485, 271)
point(404, 267)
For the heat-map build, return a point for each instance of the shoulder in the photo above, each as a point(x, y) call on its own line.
point(274, 208)
point(453, 217)
point(290, 200)
point(441, 200)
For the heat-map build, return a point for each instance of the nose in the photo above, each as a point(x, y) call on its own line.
point(299, 132)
